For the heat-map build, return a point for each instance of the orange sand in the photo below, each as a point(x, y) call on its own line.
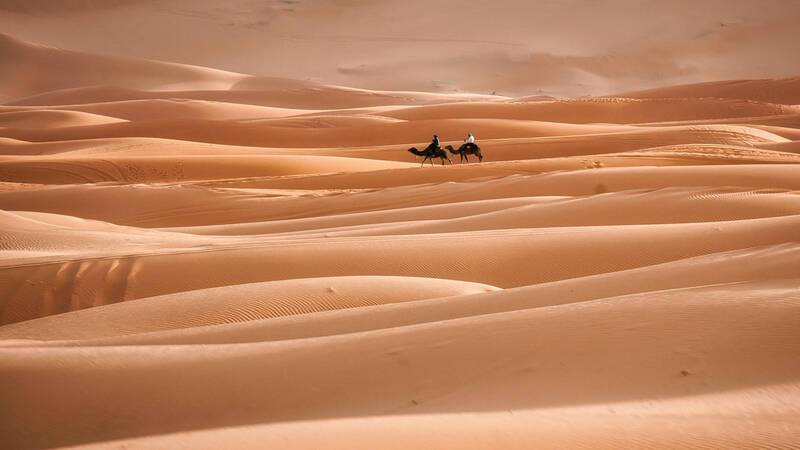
point(201, 258)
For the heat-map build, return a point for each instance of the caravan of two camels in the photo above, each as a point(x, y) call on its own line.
point(434, 150)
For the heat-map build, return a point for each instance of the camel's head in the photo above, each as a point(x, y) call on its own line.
point(415, 152)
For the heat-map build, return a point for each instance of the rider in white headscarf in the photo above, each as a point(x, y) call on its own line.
point(470, 139)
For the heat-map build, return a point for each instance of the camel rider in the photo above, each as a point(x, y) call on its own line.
point(470, 139)
point(435, 142)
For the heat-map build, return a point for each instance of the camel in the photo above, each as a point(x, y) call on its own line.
point(429, 153)
point(465, 150)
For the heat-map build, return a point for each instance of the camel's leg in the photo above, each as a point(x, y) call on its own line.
point(423, 162)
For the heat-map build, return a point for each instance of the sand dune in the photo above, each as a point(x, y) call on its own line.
point(604, 141)
point(603, 110)
point(627, 423)
point(343, 139)
point(294, 133)
point(770, 262)
point(130, 273)
point(676, 206)
point(559, 47)
point(499, 376)
point(161, 109)
point(32, 73)
point(788, 147)
point(196, 205)
point(256, 301)
point(783, 91)
point(52, 119)
point(159, 169)
point(274, 92)
point(32, 69)
point(248, 256)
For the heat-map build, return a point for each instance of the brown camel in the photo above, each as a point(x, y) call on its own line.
point(465, 150)
point(430, 153)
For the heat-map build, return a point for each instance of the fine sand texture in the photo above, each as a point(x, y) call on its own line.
point(198, 258)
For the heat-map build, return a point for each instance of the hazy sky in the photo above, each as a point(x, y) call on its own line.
point(569, 47)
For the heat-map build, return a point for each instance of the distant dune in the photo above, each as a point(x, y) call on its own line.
point(785, 91)
point(251, 257)
point(511, 47)
point(32, 69)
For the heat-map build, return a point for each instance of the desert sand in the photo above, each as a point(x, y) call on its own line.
point(205, 249)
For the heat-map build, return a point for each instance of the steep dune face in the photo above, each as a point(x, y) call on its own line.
point(196, 258)
point(29, 69)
